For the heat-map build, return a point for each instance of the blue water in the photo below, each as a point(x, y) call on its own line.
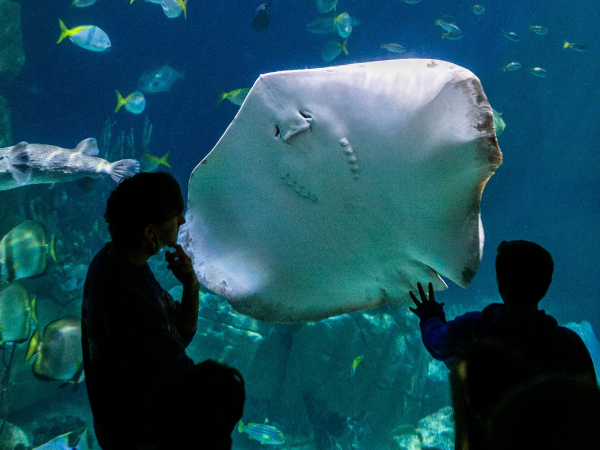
point(547, 189)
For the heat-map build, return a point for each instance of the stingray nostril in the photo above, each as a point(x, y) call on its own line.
point(277, 131)
point(305, 114)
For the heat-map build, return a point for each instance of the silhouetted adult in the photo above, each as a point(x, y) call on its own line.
point(523, 273)
point(134, 334)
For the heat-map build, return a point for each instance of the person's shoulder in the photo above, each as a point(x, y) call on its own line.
point(490, 312)
point(569, 334)
point(468, 317)
point(100, 264)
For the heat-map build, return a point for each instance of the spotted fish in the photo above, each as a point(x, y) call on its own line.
point(24, 164)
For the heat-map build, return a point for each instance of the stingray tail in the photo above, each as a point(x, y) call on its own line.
point(123, 169)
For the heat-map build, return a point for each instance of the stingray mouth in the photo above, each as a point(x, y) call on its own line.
point(294, 126)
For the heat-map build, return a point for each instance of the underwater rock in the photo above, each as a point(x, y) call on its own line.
point(326, 424)
point(437, 430)
point(12, 56)
point(13, 436)
point(387, 385)
point(255, 348)
point(408, 441)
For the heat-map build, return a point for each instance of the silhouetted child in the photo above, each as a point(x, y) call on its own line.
point(198, 409)
point(523, 273)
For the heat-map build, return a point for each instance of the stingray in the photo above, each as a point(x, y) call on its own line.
point(338, 189)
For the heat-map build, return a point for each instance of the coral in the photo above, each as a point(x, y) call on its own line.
point(12, 437)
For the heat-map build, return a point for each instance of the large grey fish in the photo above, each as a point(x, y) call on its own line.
point(26, 163)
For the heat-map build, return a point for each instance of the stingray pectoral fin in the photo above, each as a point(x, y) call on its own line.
point(294, 124)
point(398, 283)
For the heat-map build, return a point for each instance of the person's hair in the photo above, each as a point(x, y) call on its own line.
point(523, 271)
point(200, 408)
point(138, 201)
point(554, 413)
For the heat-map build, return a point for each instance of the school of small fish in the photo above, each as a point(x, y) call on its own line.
point(331, 20)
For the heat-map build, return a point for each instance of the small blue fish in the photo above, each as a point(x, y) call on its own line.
point(394, 48)
point(343, 24)
point(511, 67)
point(511, 36)
point(265, 434)
point(149, 163)
point(538, 72)
point(262, 16)
point(134, 102)
point(86, 36)
point(576, 47)
point(332, 50)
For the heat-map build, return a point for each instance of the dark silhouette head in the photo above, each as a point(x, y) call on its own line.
point(138, 201)
point(550, 413)
point(523, 272)
point(200, 408)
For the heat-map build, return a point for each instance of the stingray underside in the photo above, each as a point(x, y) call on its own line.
point(338, 189)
